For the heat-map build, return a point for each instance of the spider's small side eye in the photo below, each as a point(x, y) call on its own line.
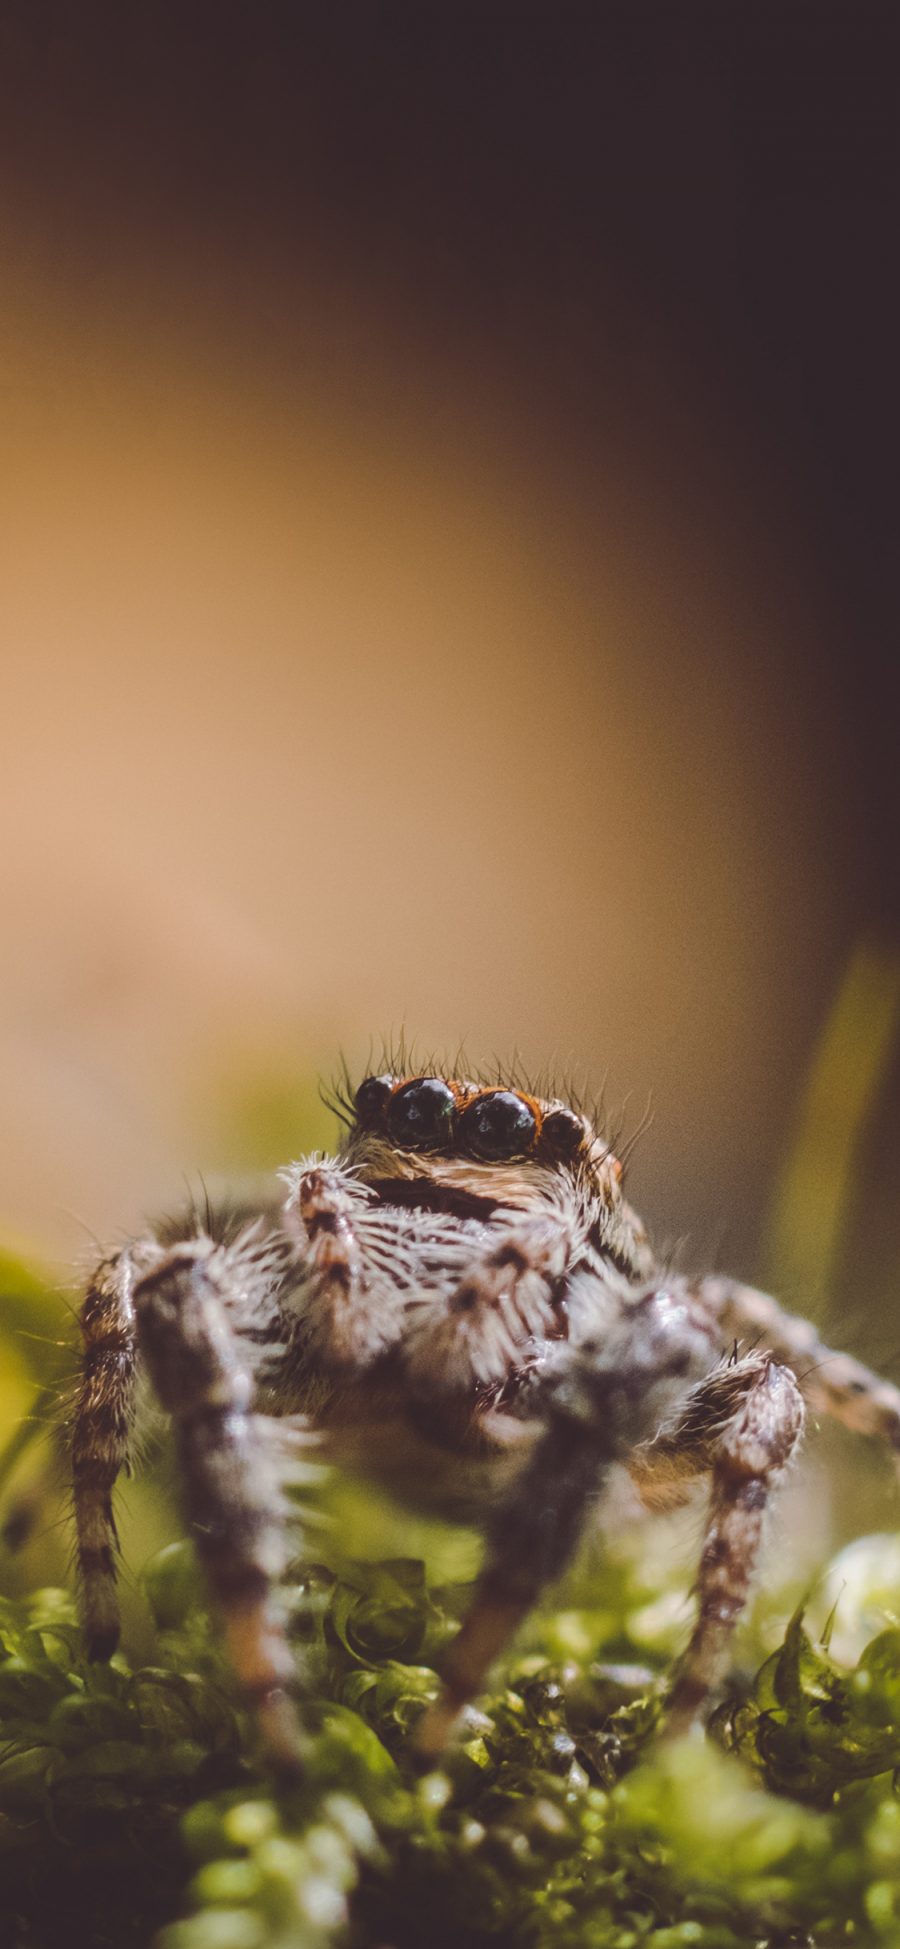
point(372, 1099)
point(562, 1133)
point(499, 1124)
point(421, 1114)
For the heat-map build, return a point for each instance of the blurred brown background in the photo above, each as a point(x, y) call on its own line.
point(448, 485)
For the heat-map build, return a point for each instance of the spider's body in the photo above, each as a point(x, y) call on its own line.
point(421, 1378)
point(463, 1306)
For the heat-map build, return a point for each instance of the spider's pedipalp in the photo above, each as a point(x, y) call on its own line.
point(476, 1333)
point(355, 1265)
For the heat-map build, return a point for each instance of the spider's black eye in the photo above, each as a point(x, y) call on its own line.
point(562, 1133)
point(499, 1124)
point(372, 1099)
point(421, 1114)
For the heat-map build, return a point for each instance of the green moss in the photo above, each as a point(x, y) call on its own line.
point(134, 1807)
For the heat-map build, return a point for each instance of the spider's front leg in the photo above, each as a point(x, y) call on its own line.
point(229, 1487)
point(598, 1401)
point(743, 1424)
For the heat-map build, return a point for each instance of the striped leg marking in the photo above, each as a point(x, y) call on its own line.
point(101, 1429)
point(748, 1457)
point(231, 1495)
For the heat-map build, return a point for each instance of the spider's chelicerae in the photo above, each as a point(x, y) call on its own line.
point(462, 1304)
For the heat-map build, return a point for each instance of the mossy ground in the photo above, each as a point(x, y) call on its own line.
point(135, 1809)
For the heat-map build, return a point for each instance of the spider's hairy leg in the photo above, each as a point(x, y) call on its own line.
point(100, 1435)
point(834, 1383)
point(598, 1401)
point(747, 1457)
point(230, 1492)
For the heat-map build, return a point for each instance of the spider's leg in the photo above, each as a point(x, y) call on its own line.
point(833, 1383)
point(229, 1487)
point(101, 1431)
point(600, 1399)
point(747, 1455)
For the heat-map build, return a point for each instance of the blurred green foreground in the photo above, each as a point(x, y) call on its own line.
point(133, 1810)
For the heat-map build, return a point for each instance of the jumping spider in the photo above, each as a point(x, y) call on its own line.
point(462, 1304)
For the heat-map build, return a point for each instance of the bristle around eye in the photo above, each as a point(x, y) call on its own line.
point(339, 1101)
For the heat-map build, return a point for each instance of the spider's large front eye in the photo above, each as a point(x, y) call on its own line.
point(372, 1099)
point(498, 1124)
point(421, 1114)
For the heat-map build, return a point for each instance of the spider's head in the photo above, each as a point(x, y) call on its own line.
point(452, 1143)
